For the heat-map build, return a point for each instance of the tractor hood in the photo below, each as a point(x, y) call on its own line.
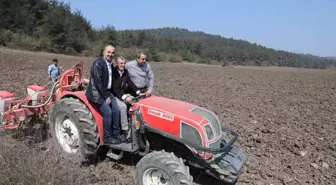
point(181, 119)
point(175, 107)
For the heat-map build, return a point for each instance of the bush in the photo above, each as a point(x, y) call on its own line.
point(127, 53)
point(44, 44)
point(86, 53)
point(204, 61)
point(70, 51)
point(6, 36)
point(175, 59)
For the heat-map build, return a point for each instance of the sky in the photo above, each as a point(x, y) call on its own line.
point(301, 26)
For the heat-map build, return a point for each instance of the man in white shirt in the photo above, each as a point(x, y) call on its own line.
point(140, 71)
point(99, 92)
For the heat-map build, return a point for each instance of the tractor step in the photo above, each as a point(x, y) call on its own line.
point(115, 156)
point(116, 151)
point(127, 147)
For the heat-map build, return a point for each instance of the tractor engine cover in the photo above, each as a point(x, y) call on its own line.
point(35, 92)
point(5, 98)
point(182, 120)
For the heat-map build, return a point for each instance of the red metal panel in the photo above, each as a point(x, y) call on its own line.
point(6, 94)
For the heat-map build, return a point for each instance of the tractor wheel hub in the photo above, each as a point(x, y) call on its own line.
point(67, 135)
point(154, 176)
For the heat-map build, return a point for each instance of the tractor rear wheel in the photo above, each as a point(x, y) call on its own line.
point(74, 129)
point(164, 168)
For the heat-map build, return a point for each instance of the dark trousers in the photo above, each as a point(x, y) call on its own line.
point(143, 89)
point(111, 118)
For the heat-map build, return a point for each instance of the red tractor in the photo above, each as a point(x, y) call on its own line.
point(168, 134)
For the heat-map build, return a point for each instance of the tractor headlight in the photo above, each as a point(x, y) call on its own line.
point(190, 134)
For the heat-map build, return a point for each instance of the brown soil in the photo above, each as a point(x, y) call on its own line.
point(285, 117)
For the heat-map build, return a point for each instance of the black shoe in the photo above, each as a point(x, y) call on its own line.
point(122, 138)
point(127, 133)
point(111, 140)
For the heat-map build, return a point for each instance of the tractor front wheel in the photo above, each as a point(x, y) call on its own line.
point(162, 168)
point(73, 129)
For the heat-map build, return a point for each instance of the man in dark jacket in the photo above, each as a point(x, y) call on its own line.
point(99, 92)
point(123, 89)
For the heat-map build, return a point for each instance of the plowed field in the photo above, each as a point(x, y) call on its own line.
point(286, 120)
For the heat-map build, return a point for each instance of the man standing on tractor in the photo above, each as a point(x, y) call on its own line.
point(124, 89)
point(139, 71)
point(100, 93)
point(54, 71)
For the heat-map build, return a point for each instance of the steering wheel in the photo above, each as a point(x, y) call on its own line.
point(139, 97)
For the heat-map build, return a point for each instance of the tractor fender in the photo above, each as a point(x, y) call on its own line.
point(95, 112)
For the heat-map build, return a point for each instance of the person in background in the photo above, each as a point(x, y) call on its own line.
point(99, 92)
point(54, 71)
point(124, 90)
point(140, 71)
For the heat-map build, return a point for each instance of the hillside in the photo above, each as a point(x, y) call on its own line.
point(331, 58)
point(51, 26)
point(194, 45)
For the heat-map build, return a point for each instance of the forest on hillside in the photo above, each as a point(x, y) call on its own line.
point(50, 25)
